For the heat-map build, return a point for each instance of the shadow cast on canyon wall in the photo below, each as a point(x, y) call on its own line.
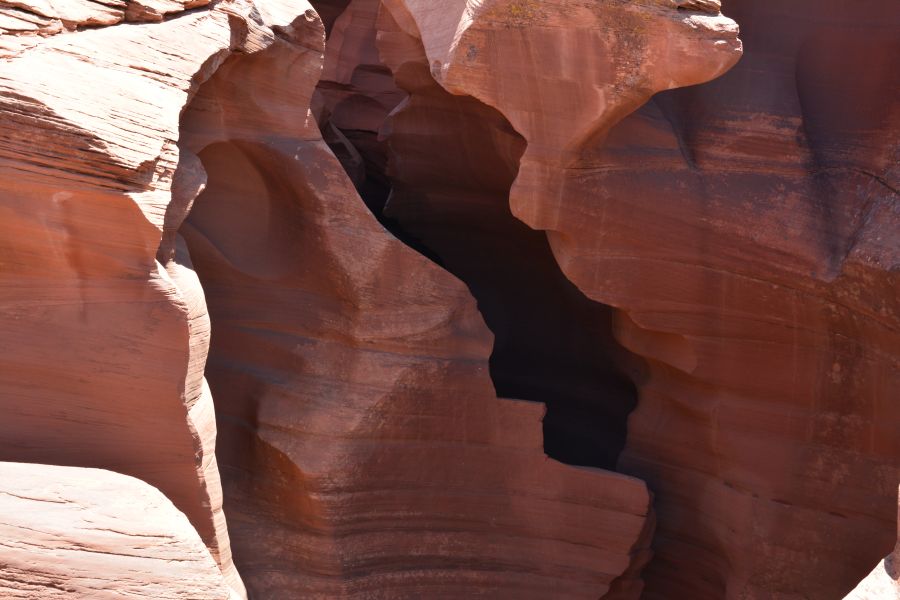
point(361, 444)
point(439, 181)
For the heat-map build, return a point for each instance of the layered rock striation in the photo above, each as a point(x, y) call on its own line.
point(742, 231)
point(364, 451)
point(883, 583)
point(190, 197)
point(104, 330)
point(68, 532)
point(551, 343)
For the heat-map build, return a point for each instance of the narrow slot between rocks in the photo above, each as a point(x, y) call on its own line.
point(438, 178)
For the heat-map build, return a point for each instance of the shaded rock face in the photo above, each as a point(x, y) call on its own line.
point(329, 11)
point(363, 449)
point(352, 102)
point(883, 583)
point(768, 274)
point(69, 532)
point(715, 266)
point(551, 344)
point(741, 231)
point(104, 331)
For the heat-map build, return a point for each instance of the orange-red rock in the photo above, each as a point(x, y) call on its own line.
point(883, 583)
point(68, 532)
point(550, 340)
point(354, 97)
point(364, 451)
point(739, 238)
point(104, 332)
point(762, 290)
point(562, 71)
point(746, 233)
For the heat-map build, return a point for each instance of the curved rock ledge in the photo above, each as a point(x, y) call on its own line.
point(69, 532)
point(738, 239)
point(104, 346)
point(741, 229)
point(364, 451)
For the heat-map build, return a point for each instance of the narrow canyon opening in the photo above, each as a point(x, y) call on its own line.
point(439, 181)
point(306, 294)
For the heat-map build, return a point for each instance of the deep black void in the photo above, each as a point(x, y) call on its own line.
point(441, 185)
point(552, 343)
point(329, 11)
point(365, 160)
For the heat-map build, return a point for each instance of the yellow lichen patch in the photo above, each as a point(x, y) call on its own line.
point(519, 13)
point(522, 9)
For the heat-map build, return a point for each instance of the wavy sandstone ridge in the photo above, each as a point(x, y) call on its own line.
point(68, 532)
point(197, 202)
point(364, 448)
point(742, 230)
point(105, 333)
point(563, 71)
point(364, 451)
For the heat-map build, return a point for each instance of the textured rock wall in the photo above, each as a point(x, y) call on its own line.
point(352, 101)
point(742, 230)
point(68, 532)
point(352, 372)
point(738, 239)
point(551, 343)
point(883, 583)
point(104, 330)
point(364, 451)
point(102, 346)
point(782, 391)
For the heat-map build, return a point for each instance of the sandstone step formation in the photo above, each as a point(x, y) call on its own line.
point(411, 299)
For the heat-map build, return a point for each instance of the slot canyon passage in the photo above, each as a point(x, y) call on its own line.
point(462, 299)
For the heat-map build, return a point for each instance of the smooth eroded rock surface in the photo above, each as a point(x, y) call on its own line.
point(551, 343)
point(745, 231)
point(883, 583)
point(364, 451)
point(701, 285)
point(104, 332)
point(69, 532)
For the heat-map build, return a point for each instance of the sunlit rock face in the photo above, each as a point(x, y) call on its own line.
point(104, 328)
point(364, 447)
point(71, 532)
point(344, 252)
point(742, 230)
point(364, 451)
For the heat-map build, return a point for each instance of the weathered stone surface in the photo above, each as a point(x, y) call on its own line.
point(68, 532)
point(363, 449)
point(746, 232)
point(563, 71)
point(353, 99)
point(739, 237)
point(761, 289)
point(549, 338)
point(329, 11)
point(883, 583)
point(104, 332)
point(23, 23)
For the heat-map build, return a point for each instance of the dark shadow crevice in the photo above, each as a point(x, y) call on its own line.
point(440, 183)
point(365, 159)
